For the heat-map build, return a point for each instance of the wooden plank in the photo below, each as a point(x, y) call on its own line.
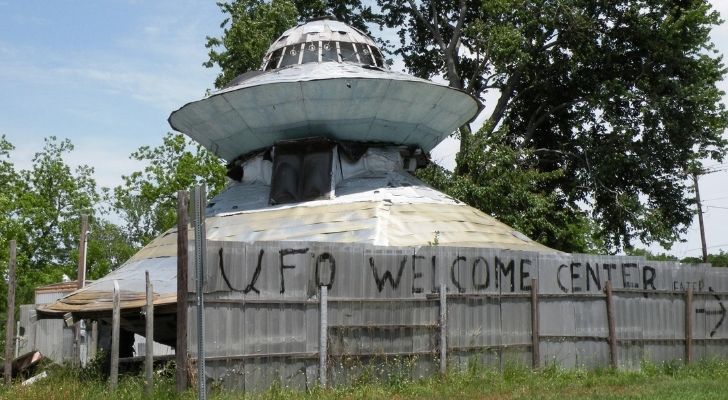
point(10, 323)
point(611, 325)
point(149, 346)
point(115, 326)
point(182, 265)
point(535, 340)
point(689, 325)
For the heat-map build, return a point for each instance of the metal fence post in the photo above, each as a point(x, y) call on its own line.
point(323, 334)
point(182, 265)
point(9, 325)
point(611, 325)
point(535, 339)
point(149, 347)
point(115, 326)
point(200, 255)
point(688, 326)
point(443, 328)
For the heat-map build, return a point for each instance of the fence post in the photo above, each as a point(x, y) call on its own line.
point(688, 326)
point(80, 282)
point(200, 202)
point(149, 347)
point(94, 341)
point(610, 322)
point(9, 325)
point(535, 339)
point(443, 328)
point(323, 333)
point(17, 339)
point(182, 249)
point(115, 326)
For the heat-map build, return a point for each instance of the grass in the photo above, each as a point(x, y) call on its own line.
point(703, 380)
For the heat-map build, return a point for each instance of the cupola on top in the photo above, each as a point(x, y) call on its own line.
point(322, 40)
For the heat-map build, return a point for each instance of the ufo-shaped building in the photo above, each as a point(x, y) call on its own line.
point(321, 143)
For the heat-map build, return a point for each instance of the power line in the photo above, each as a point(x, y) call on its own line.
point(715, 198)
point(708, 247)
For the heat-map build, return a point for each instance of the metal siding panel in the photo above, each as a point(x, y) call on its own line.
point(397, 320)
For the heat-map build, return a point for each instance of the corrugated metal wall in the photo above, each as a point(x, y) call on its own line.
point(262, 310)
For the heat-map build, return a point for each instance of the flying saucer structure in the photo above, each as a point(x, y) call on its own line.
point(324, 78)
point(321, 143)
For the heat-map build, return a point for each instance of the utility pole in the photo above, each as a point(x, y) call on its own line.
point(700, 217)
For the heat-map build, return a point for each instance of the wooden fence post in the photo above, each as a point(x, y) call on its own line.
point(10, 323)
point(149, 347)
point(323, 334)
point(689, 325)
point(115, 326)
point(535, 339)
point(182, 252)
point(80, 282)
point(610, 322)
point(94, 341)
point(443, 328)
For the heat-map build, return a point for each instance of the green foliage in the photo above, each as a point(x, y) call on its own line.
point(40, 208)
point(621, 96)
point(250, 26)
point(147, 201)
point(717, 260)
point(504, 183)
point(633, 251)
point(671, 380)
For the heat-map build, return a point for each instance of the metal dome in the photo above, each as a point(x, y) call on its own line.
point(322, 40)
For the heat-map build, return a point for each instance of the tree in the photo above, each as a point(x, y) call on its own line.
point(716, 260)
point(621, 96)
point(619, 99)
point(249, 28)
point(504, 181)
point(51, 199)
point(147, 201)
point(40, 208)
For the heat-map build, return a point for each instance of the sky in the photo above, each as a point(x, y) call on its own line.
point(107, 74)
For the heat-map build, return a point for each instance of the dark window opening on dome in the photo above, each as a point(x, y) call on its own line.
point(275, 58)
point(365, 55)
point(379, 58)
point(347, 52)
point(310, 52)
point(290, 55)
point(328, 52)
point(301, 171)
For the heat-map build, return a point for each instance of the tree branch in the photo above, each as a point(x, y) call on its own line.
point(433, 30)
point(534, 122)
point(503, 101)
point(458, 28)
